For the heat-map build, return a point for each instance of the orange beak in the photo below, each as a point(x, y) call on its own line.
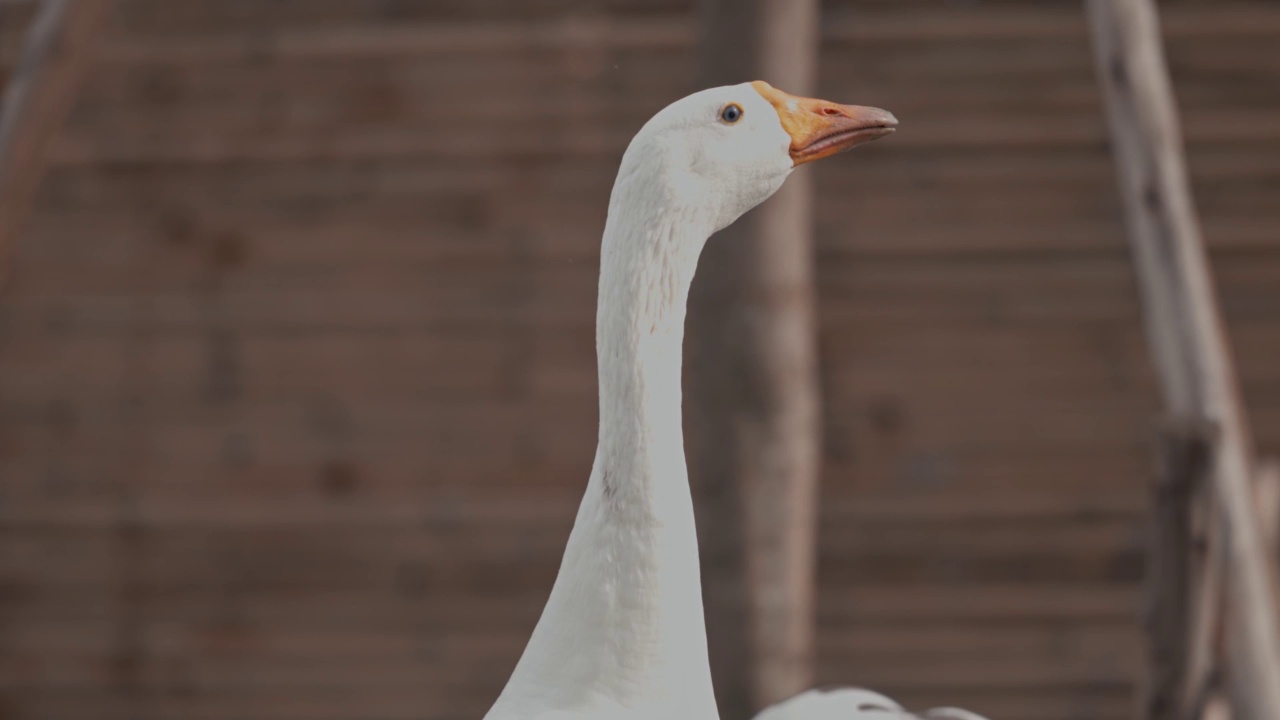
point(819, 128)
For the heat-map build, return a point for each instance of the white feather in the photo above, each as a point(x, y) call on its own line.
point(853, 704)
point(622, 636)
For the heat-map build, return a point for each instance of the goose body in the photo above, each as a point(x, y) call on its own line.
point(622, 635)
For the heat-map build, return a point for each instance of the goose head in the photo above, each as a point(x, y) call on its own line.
point(728, 149)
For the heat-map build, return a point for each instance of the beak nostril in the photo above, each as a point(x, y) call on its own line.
point(829, 111)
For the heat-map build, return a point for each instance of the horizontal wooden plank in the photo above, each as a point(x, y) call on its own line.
point(221, 366)
point(402, 212)
point(213, 644)
point(1002, 18)
point(226, 662)
point(220, 37)
point(391, 677)
point(307, 662)
point(910, 640)
point(1096, 703)
point(1008, 601)
point(121, 699)
point(48, 495)
point(248, 98)
point(524, 556)
point(80, 301)
point(329, 112)
point(1113, 671)
point(996, 19)
point(903, 413)
point(892, 419)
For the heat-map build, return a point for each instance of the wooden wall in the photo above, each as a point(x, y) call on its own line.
point(296, 371)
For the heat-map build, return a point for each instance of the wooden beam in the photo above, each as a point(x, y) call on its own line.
point(1201, 681)
point(753, 383)
point(37, 99)
point(1184, 325)
point(1183, 458)
point(1267, 496)
point(1195, 646)
point(670, 30)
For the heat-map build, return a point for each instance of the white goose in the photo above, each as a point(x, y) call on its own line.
point(622, 636)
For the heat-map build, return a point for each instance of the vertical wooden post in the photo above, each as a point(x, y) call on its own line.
point(1266, 494)
point(37, 99)
point(1184, 326)
point(1201, 671)
point(1182, 459)
point(753, 384)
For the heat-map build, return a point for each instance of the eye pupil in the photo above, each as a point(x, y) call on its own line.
point(731, 113)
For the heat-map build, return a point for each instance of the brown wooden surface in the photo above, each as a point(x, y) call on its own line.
point(1185, 330)
point(38, 94)
point(753, 397)
point(293, 424)
point(1179, 625)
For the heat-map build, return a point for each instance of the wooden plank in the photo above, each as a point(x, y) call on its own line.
point(1267, 499)
point(905, 640)
point(988, 603)
point(876, 602)
point(1047, 200)
point(522, 557)
point(242, 97)
point(926, 424)
point(331, 703)
point(269, 647)
point(227, 102)
point(1018, 21)
point(1006, 19)
point(1183, 458)
point(37, 98)
point(1202, 679)
point(985, 499)
point(204, 37)
point(292, 291)
point(231, 16)
point(1184, 324)
point(407, 704)
point(221, 365)
point(875, 400)
point(1092, 297)
point(398, 674)
point(245, 99)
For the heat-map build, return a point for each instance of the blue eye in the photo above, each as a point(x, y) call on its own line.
point(731, 113)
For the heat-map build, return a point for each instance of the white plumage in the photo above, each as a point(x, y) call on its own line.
point(622, 636)
point(853, 704)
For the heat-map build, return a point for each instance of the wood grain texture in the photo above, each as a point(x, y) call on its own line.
point(1186, 333)
point(754, 399)
point(298, 431)
point(37, 97)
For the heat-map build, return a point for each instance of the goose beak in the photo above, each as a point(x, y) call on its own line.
point(820, 129)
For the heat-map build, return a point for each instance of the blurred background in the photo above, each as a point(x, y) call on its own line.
point(297, 372)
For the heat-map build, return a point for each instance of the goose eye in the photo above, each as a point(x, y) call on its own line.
point(731, 113)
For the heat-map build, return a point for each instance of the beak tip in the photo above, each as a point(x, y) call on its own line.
point(887, 119)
